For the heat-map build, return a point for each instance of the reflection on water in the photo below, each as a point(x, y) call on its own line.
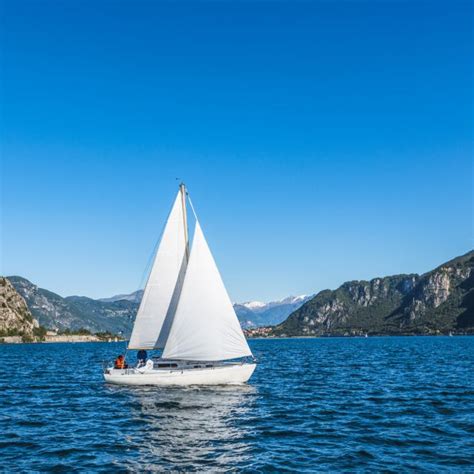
point(189, 427)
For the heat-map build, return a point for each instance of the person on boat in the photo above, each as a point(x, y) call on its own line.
point(141, 358)
point(120, 362)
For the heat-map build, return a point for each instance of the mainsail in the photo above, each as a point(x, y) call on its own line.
point(162, 291)
point(205, 326)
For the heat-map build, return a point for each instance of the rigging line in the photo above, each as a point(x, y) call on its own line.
point(192, 207)
point(147, 270)
point(149, 263)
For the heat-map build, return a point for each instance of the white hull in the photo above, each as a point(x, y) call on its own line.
point(226, 374)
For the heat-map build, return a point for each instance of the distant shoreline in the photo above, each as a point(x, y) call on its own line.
point(67, 339)
point(268, 332)
point(85, 339)
point(360, 337)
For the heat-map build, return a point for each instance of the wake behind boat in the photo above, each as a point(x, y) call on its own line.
point(186, 312)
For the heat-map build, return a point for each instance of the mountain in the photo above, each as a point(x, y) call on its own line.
point(15, 317)
point(255, 313)
point(135, 297)
point(117, 313)
point(250, 313)
point(75, 312)
point(441, 300)
point(438, 301)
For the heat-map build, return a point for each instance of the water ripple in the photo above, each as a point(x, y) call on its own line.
point(383, 404)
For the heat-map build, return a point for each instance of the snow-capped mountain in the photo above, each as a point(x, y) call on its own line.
point(256, 313)
point(258, 306)
point(253, 305)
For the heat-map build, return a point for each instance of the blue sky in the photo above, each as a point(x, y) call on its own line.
point(320, 141)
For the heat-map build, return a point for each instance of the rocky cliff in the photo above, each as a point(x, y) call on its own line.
point(442, 300)
point(15, 317)
point(439, 301)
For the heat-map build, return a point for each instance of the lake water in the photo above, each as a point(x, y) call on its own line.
point(339, 404)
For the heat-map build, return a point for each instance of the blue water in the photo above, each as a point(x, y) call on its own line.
point(312, 405)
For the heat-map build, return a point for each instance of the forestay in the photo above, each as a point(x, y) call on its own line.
point(205, 326)
point(161, 294)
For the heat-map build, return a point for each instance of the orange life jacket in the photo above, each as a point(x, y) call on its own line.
point(119, 362)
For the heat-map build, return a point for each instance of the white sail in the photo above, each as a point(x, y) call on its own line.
point(205, 326)
point(161, 294)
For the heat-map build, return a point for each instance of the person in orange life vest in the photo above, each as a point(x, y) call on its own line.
point(120, 362)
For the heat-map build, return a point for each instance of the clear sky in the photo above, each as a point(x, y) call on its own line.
point(320, 141)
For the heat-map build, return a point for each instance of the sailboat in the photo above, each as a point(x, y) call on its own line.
point(186, 312)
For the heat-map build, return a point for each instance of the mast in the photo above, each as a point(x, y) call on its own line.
point(182, 188)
